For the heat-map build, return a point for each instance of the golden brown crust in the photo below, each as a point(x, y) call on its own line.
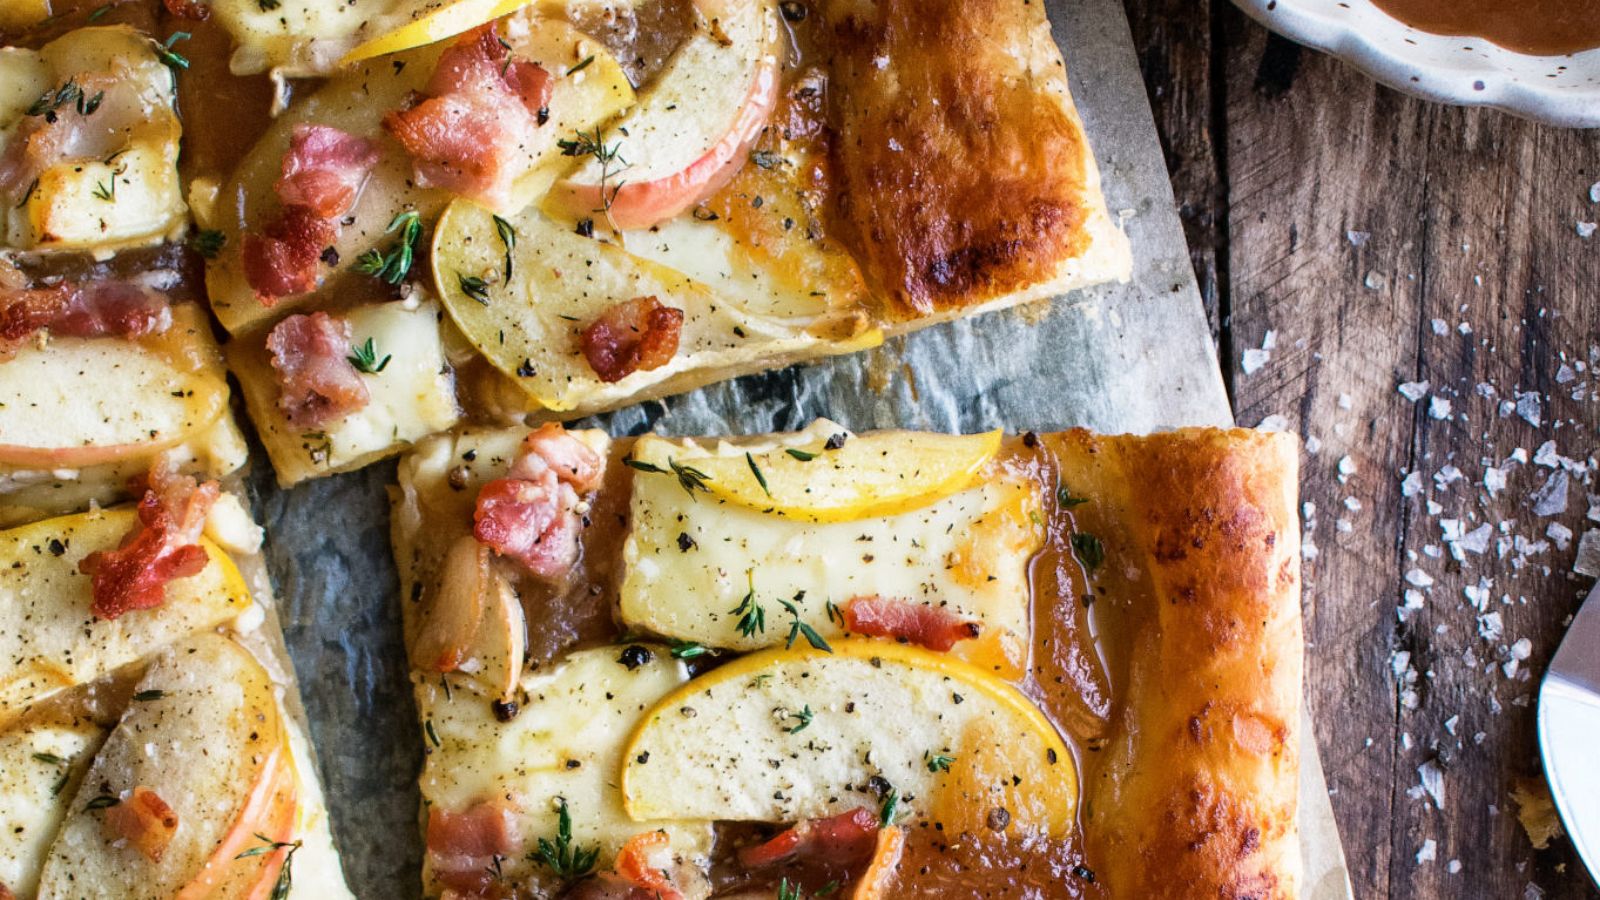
point(961, 166)
point(1195, 794)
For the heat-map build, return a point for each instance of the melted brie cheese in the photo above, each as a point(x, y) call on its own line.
point(40, 766)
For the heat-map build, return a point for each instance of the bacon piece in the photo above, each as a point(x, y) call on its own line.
point(531, 515)
point(933, 627)
point(643, 862)
point(316, 381)
point(846, 839)
point(325, 169)
point(482, 110)
point(193, 10)
point(462, 846)
point(322, 175)
point(636, 335)
point(89, 309)
point(164, 545)
point(145, 821)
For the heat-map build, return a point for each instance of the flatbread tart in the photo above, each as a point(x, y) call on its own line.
point(891, 664)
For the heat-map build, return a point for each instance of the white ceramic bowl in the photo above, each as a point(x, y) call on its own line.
point(1561, 90)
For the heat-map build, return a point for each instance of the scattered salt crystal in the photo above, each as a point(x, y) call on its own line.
point(1560, 534)
point(1522, 649)
point(1253, 360)
point(1491, 627)
point(1414, 600)
point(1419, 578)
point(1447, 476)
point(1506, 408)
point(1594, 192)
point(1585, 230)
point(1414, 390)
point(1274, 422)
point(1432, 551)
point(1494, 480)
point(1451, 723)
point(1432, 782)
point(1464, 328)
point(1529, 407)
point(1269, 341)
point(1453, 866)
point(1476, 540)
point(1477, 594)
point(1347, 467)
point(1519, 455)
point(1400, 662)
point(1376, 281)
point(1308, 511)
point(1434, 508)
point(1438, 407)
point(1412, 485)
point(1546, 455)
point(1588, 561)
point(1565, 374)
point(1440, 326)
point(1360, 238)
point(1346, 401)
point(1551, 497)
point(1353, 504)
point(1510, 667)
point(1313, 444)
point(1429, 851)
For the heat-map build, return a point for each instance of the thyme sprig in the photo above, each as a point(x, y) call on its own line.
point(394, 264)
point(610, 159)
point(508, 238)
point(689, 478)
point(752, 615)
point(568, 862)
point(798, 628)
point(365, 358)
point(285, 882)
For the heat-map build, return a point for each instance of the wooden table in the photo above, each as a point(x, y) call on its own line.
point(1383, 240)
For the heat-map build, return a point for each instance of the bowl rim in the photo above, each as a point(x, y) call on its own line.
point(1383, 56)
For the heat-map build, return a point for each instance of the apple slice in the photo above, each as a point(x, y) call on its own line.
point(431, 23)
point(780, 736)
point(203, 733)
point(529, 326)
point(692, 127)
point(472, 621)
point(41, 764)
point(876, 474)
point(962, 558)
point(49, 641)
point(564, 743)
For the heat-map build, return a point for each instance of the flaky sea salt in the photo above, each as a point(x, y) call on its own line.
point(1588, 560)
point(1274, 422)
point(1411, 485)
point(1360, 238)
point(1494, 480)
point(1446, 476)
point(1585, 229)
point(1253, 359)
point(1432, 782)
point(1530, 408)
point(1440, 326)
point(1559, 534)
point(1414, 390)
point(1491, 627)
point(1551, 497)
point(1429, 851)
point(1419, 578)
point(1438, 407)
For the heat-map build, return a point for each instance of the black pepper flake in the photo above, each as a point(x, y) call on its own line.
point(470, 455)
point(958, 698)
point(457, 478)
point(1084, 872)
point(526, 370)
point(879, 786)
point(56, 547)
point(633, 656)
point(330, 255)
point(686, 543)
point(544, 114)
point(998, 819)
point(573, 764)
point(585, 228)
point(643, 757)
point(505, 710)
point(1050, 755)
point(757, 202)
point(836, 441)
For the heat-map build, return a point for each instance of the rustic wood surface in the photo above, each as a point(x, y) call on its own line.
point(1357, 224)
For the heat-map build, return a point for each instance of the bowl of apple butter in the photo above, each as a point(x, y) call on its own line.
point(1534, 58)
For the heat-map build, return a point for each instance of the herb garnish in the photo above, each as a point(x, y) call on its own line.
point(50, 759)
point(594, 145)
point(392, 265)
point(365, 358)
point(756, 471)
point(28, 194)
point(689, 478)
point(98, 12)
point(508, 237)
point(804, 716)
point(107, 190)
point(752, 616)
point(567, 862)
point(151, 694)
point(51, 101)
point(890, 807)
point(433, 736)
point(582, 65)
point(787, 891)
point(1064, 498)
point(267, 5)
point(103, 801)
point(165, 51)
point(801, 455)
point(937, 762)
point(208, 242)
point(474, 287)
point(689, 650)
point(1089, 551)
point(797, 628)
point(280, 888)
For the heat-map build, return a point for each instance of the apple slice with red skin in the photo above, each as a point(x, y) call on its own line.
point(206, 734)
point(692, 128)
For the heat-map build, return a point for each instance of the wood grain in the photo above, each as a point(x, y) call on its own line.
point(1347, 218)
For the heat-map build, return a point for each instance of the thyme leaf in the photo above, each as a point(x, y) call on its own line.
point(1089, 551)
point(365, 358)
point(393, 264)
point(752, 616)
point(568, 862)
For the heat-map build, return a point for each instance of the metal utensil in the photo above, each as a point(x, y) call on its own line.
point(1569, 731)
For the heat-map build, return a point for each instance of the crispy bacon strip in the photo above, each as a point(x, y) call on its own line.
point(482, 109)
point(322, 176)
point(847, 839)
point(317, 384)
point(145, 821)
point(164, 546)
point(633, 336)
point(644, 861)
point(933, 627)
point(531, 515)
point(462, 846)
point(97, 308)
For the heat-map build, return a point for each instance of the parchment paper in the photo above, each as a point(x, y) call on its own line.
point(1122, 358)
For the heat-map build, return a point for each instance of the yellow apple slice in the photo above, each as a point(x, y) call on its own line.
point(529, 326)
point(41, 764)
point(434, 22)
point(880, 473)
point(50, 641)
point(564, 742)
point(205, 734)
point(785, 735)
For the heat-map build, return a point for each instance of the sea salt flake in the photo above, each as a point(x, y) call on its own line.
point(1447, 476)
point(1375, 281)
point(1453, 866)
point(1253, 359)
point(1565, 374)
point(1352, 503)
point(1274, 422)
point(1429, 851)
point(1477, 594)
point(1347, 467)
point(1438, 407)
point(1560, 534)
point(1411, 485)
point(1546, 455)
point(1551, 497)
point(1419, 578)
point(1494, 480)
point(1594, 192)
point(1475, 541)
point(1434, 508)
point(1530, 408)
point(1585, 229)
point(1414, 390)
point(1451, 723)
point(1491, 627)
point(1432, 782)
point(1440, 326)
point(1522, 649)
point(1588, 559)
point(1313, 444)
point(1360, 238)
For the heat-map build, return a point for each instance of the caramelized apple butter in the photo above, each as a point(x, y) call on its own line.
point(1539, 27)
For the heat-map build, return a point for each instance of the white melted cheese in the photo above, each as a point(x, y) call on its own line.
point(566, 742)
point(690, 560)
point(40, 765)
point(302, 37)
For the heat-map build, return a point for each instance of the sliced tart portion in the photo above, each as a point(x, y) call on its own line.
point(533, 778)
point(582, 324)
point(113, 378)
point(90, 144)
point(894, 534)
point(42, 762)
point(196, 774)
point(53, 639)
point(786, 735)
